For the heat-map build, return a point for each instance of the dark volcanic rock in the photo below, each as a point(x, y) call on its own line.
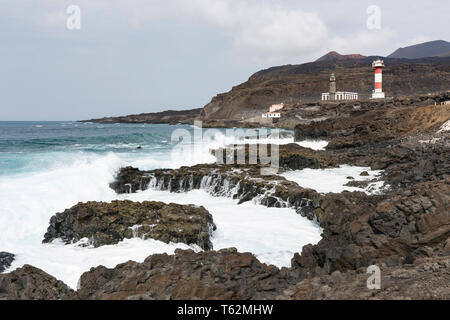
point(291, 156)
point(238, 182)
point(129, 180)
point(415, 162)
point(380, 121)
point(417, 217)
point(357, 184)
point(30, 283)
point(5, 260)
point(427, 279)
point(405, 162)
point(358, 229)
point(229, 275)
point(361, 230)
point(223, 275)
point(400, 137)
point(408, 223)
point(295, 157)
point(108, 223)
point(406, 233)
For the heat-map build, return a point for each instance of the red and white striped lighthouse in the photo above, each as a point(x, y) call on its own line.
point(378, 92)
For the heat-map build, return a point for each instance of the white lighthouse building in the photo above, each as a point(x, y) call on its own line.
point(334, 95)
point(274, 111)
point(378, 93)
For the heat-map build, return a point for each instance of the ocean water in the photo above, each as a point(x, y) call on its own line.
point(47, 167)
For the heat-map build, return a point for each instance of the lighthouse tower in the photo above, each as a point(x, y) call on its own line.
point(378, 92)
point(332, 87)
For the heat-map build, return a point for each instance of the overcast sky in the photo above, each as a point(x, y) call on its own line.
point(133, 56)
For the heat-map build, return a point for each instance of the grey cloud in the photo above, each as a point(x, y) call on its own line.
point(135, 56)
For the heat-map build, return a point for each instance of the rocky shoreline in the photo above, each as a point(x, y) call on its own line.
point(405, 230)
point(295, 113)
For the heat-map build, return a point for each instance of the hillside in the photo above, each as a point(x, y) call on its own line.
point(333, 55)
point(304, 83)
point(170, 116)
point(439, 48)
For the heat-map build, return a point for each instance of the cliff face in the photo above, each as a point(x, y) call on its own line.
point(305, 83)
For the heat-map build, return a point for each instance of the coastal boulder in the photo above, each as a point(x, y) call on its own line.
point(130, 180)
point(109, 223)
point(223, 275)
point(30, 283)
point(5, 260)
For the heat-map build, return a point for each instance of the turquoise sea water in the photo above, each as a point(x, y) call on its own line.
point(33, 146)
point(48, 167)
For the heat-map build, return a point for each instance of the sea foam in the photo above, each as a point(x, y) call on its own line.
point(30, 199)
point(335, 179)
